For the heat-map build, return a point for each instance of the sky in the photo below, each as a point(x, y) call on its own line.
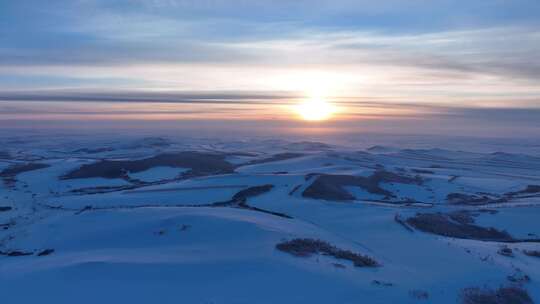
point(435, 67)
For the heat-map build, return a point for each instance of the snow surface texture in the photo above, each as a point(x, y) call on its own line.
point(440, 224)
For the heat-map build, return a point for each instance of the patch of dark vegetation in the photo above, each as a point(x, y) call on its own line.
point(422, 171)
point(530, 189)
point(5, 208)
point(501, 295)
point(93, 150)
point(462, 217)
point(45, 252)
point(251, 192)
point(482, 198)
point(331, 187)
point(242, 154)
point(472, 199)
point(294, 189)
point(86, 208)
point(248, 207)
point(443, 224)
point(184, 227)
point(239, 200)
point(532, 253)
point(9, 174)
point(309, 247)
point(15, 253)
point(7, 225)
point(506, 251)
point(519, 278)
point(274, 158)
point(399, 220)
point(103, 189)
point(200, 164)
point(381, 283)
point(461, 198)
point(419, 294)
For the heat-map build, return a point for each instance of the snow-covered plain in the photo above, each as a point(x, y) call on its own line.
point(163, 233)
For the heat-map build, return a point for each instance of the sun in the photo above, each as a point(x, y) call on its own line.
point(315, 109)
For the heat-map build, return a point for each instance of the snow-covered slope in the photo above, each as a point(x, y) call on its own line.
point(156, 220)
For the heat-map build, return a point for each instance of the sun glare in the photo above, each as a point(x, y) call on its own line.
point(315, 109)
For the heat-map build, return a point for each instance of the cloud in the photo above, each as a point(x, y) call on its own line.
point(490, 51)
point(135, 96)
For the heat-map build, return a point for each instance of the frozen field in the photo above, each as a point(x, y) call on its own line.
point(162, 221)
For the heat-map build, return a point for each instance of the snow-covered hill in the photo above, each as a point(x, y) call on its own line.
point(156, 220)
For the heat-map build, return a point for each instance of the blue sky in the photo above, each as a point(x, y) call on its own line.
point(460, 55)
